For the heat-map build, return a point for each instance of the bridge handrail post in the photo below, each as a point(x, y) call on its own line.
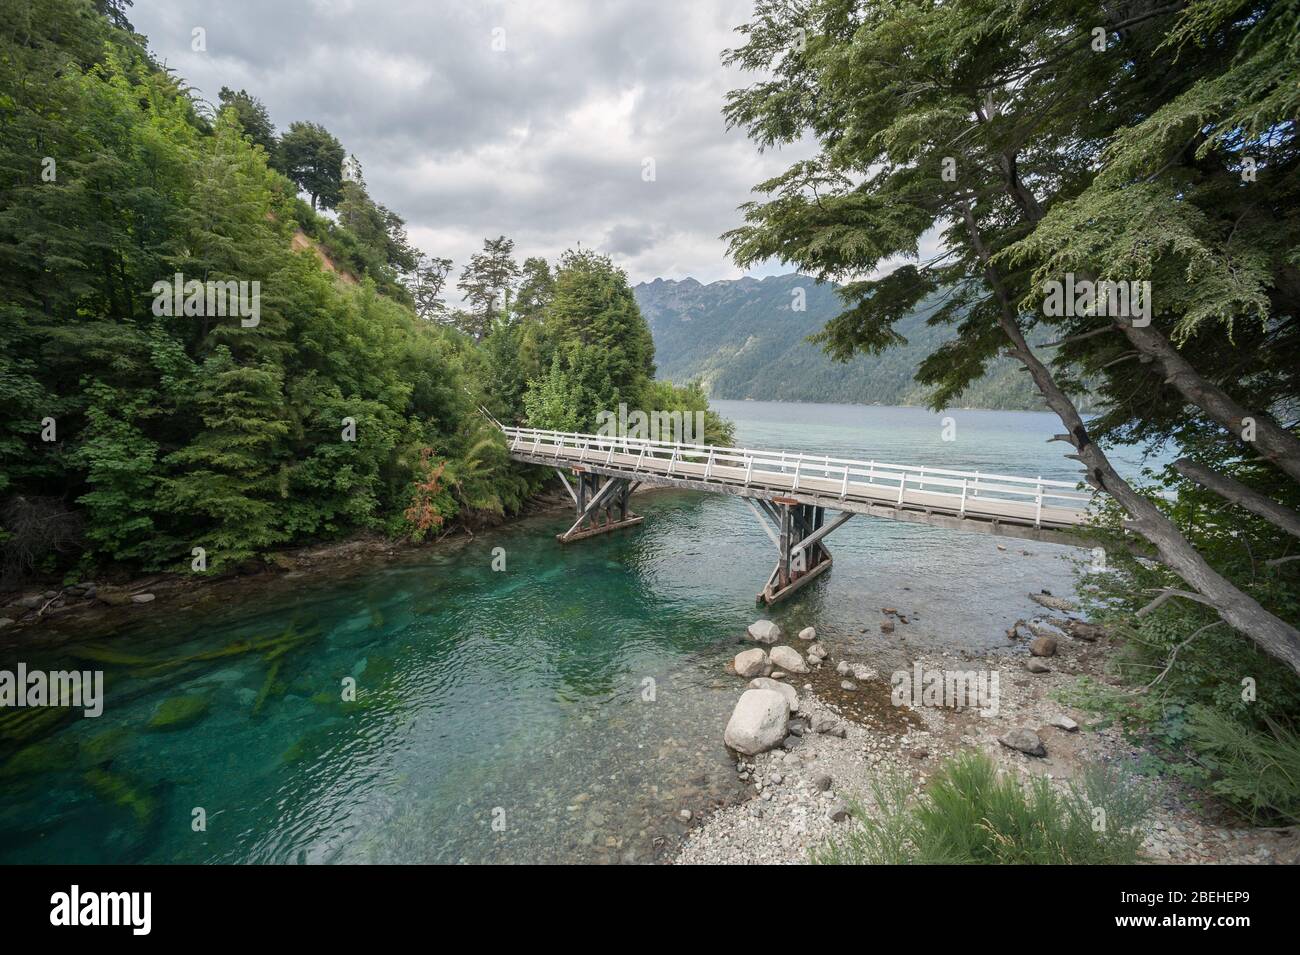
point(749, 467)
point(708, 465)
point(962, 512)
point(797, 465)
point(902, 484)
point(1038, 508)
point(844, 488)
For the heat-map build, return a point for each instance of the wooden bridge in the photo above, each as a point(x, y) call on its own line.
point(790, 493)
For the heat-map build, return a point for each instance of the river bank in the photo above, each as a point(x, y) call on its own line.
point(92, 608)
point(847, 733)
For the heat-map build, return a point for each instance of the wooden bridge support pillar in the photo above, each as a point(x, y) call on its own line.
point(603, 504)
point(800, 535)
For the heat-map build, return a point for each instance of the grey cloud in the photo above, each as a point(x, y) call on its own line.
point(543, 141)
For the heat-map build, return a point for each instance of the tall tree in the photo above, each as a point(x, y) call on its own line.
point(487, 281)
point(990, 122)
point(427, 281)
point(313, 158)
point(536, 289)
point(252, 116)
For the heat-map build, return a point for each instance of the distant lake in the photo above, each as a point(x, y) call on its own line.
point(517, 698)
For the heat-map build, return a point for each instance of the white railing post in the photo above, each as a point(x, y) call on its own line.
point(797, 465)
point(708, 465)
point(1038, 508)
point(749, 468)
point(844, 488)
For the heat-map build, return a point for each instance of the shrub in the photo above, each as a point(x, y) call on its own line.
point(971, 814)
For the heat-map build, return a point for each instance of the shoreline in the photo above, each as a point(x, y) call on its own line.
point(799, 793)
point(69, 613)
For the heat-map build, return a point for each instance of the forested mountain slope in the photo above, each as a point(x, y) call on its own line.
point(743, 339)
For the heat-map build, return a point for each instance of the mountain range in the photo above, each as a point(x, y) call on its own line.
point(743, 338)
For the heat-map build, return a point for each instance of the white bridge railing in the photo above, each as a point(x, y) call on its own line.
point(820, 474)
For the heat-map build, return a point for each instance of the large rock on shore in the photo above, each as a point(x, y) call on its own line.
point(750, 662)
point(1043, 646)
point(758, 723)
point(788, 658)
point(764, 631)
point(785, 689)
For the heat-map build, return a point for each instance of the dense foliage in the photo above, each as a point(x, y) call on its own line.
point(331, 390)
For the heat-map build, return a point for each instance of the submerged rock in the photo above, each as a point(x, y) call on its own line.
point(758, 723)
point(764, 631)
point(750, 662)
point(788, 658)
point(178, 712)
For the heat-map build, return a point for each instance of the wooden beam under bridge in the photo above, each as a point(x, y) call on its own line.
point(597, 495)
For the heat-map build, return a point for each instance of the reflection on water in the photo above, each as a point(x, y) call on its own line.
point(564, 709)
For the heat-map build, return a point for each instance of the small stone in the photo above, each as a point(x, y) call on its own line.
point(142, 598)
point(776, 779)
point(764, 631)
point(920, 753)
point(887, 626)
point(685, 815)
point(863, 672)
point(1037, 666)
point(847, 685)
point(30, 602)
point(1025, 741)
point(822, 782)
point(817, 650)
point(1065, 723)
point(5, 622)
point(838, 812)
point(889, 610)
point(808, 633)
point(1043, 646)
point(843, 668)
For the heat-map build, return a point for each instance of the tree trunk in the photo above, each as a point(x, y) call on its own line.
point(1274, 442)
point(1233, 490)
point(1241, 611)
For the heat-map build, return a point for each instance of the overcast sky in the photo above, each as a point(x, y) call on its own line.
point(544, 141)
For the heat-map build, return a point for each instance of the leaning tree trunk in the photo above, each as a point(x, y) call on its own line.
point(1274, 442)
point(1238, 609)
point(1237, 493)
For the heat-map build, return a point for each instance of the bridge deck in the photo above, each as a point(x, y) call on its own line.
point(1030, 508)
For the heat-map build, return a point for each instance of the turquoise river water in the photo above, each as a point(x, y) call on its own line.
point(563, 709)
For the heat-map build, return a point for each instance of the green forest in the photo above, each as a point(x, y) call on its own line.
point(139, 438)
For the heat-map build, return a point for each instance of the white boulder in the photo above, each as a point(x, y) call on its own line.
point(785, 689)
point(764, 631)
point(758, 723)
point(751, 662)
point(808, 633)
point(788, 658)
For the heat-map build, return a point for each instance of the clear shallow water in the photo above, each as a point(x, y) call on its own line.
point(518, 698)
